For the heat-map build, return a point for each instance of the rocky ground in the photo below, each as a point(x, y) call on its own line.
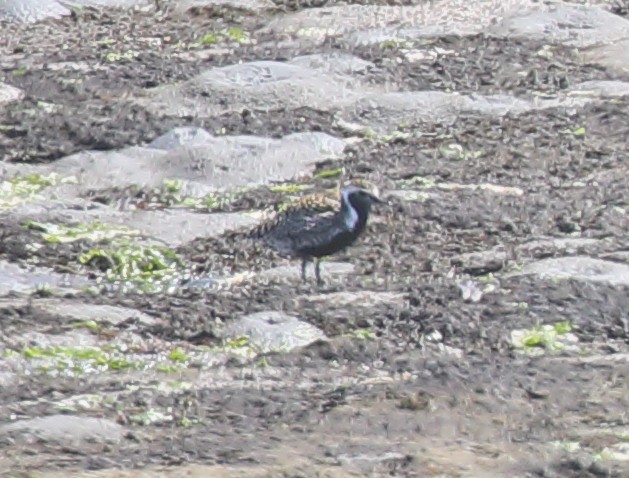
point(478, 329)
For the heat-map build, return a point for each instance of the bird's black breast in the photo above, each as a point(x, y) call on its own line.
point(326, 242)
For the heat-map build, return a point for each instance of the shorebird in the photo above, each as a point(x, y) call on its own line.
point(310, 231)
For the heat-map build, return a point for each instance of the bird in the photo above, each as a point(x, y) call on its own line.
point(310, 230)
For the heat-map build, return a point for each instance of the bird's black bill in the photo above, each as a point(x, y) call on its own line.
point(376, 199)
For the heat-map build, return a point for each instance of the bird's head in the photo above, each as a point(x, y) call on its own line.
point(359, 198)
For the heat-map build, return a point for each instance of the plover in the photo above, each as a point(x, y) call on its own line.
point(309, 232)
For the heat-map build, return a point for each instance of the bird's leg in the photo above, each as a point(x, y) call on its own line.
point(304, 263)
point(318, 271)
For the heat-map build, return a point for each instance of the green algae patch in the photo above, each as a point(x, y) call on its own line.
point(21, 71)
point(217, 201)
point(26, 188)
point(226, 35)
point(417, 182)
point(363, 334)
point(189, 422)
point(142, 268)
point(77, 361)
point(545, 338)
point(116, 56)
point(152, 416)
point(577, 132)
point(237, 35)
point(79, 403)
point(178, 355)
point(90, 325)
point(396, 43)
point(155, 416)
point(168, 368)
point(240, 347)
point(456, 152)
point(289, 188)
point(329, 173)
point(209, 39)
point(95, 231)
point(172, 194)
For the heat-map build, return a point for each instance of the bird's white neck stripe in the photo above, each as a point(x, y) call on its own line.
point(350, 216)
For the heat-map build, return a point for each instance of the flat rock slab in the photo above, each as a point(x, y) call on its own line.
point(480, 263)
point(273, 331)
point(566, 246)
point(334, 62)
point(442, 17)
point(107, 3)
point(580, 268)
point(258, 86)
point(73, 339)
point(78, 311)
point(177, 227)
point(214, 163)
point(67, 429)
point(251, 6)
point(13, 278)
point(605, 89)
point(571, 25)
point(614, 56)
point(9, 94)
point(182, 136)
point(30, 11)
point(386, 111)
point(171, 226)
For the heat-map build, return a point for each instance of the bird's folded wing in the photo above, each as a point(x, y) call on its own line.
point(290, 222)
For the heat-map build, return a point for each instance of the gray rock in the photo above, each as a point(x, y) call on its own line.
point(106, 3)
point(617, 256)
point(251, 6)
point(572, 25)
point(177, 227)
point(218, 163)
point(377, 36)
point(257, 85)
point(9, 94)
point(385, 112)
point(13, 278)
point(183, 136)
point(66, 429)
point(478, 263)
point(550, 246)
point(581, 268)
point(171, 226)
point(7, 376)
point(323, 143)
point(30, 11)
point(74, 338)
point(614, 57)
point(99, 313)
point(439, 17)
point(335, 62)
point(606, 89)
point(273, 331)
